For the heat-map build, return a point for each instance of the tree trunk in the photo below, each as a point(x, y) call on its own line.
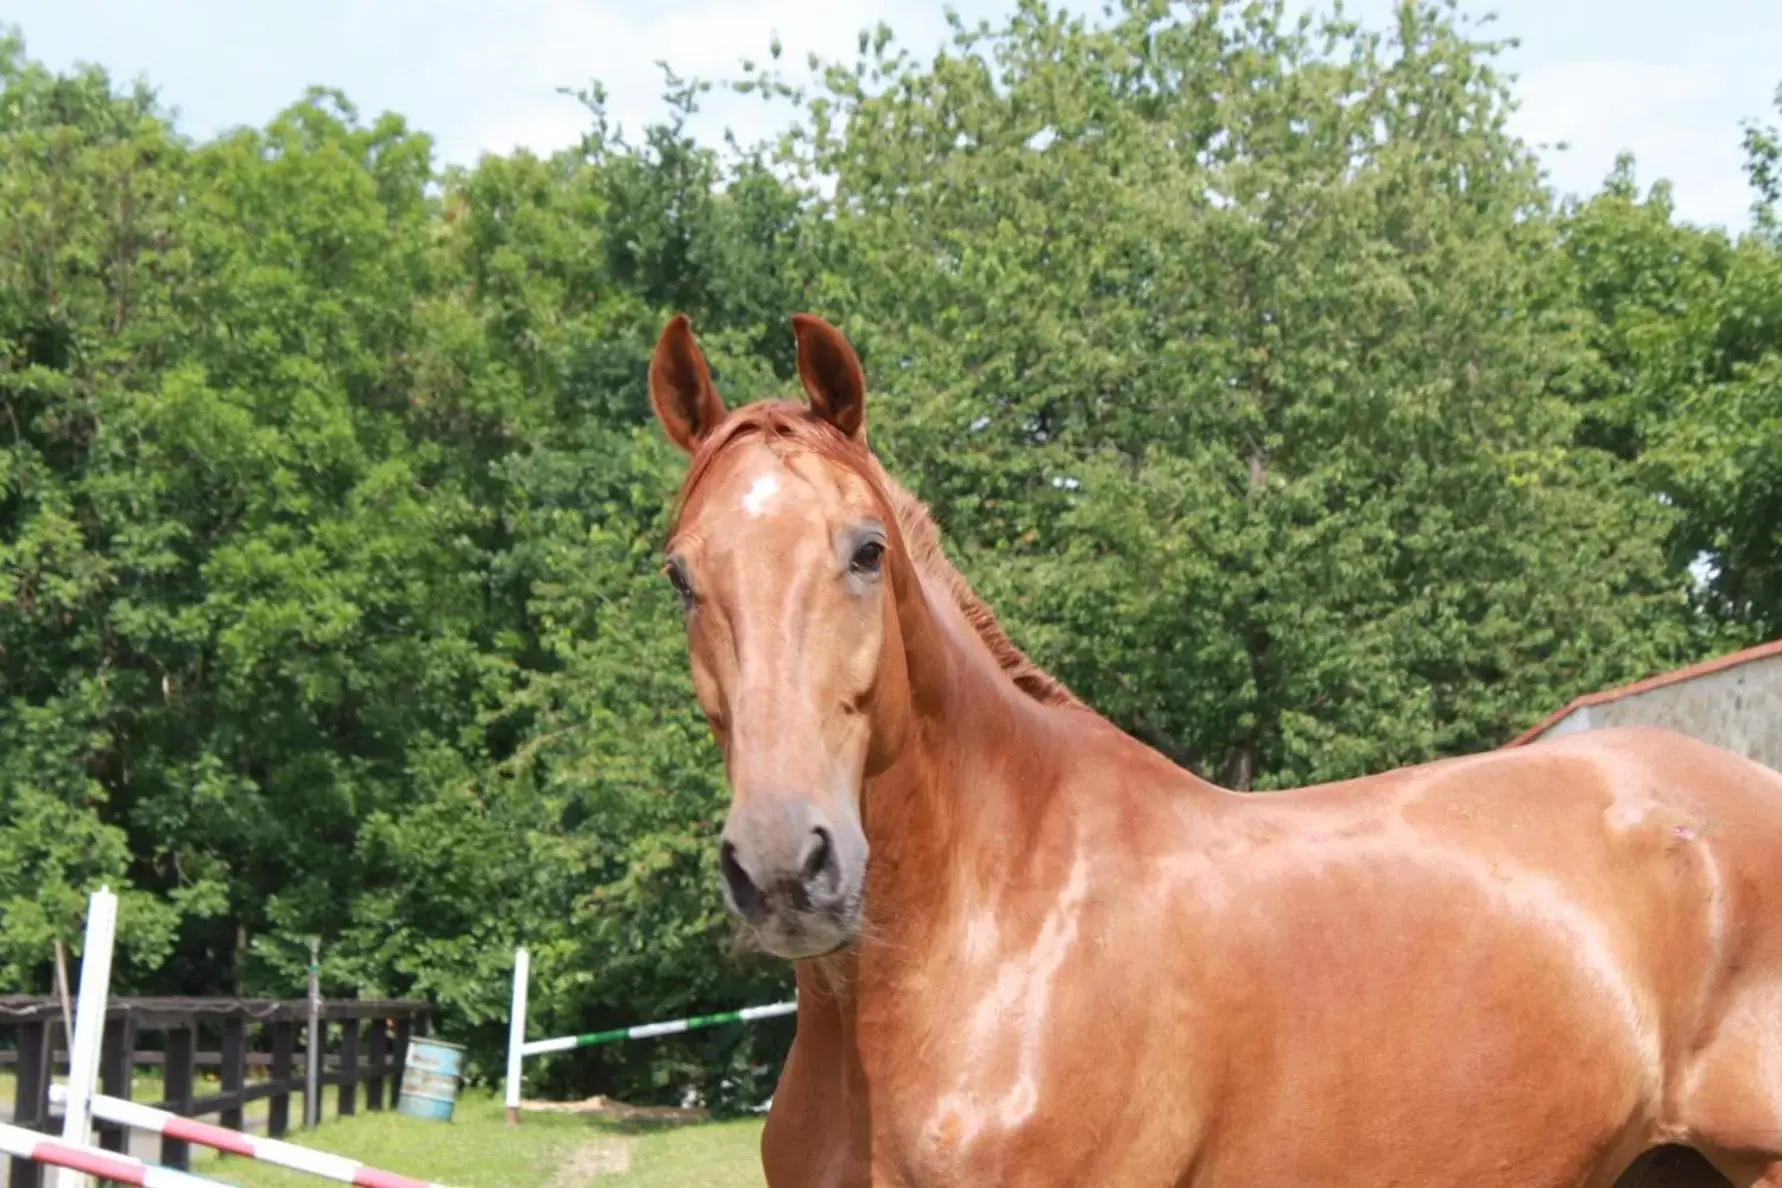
point(1240, 767)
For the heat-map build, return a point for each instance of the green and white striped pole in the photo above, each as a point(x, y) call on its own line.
point(646, 1030)
point(518, 1048)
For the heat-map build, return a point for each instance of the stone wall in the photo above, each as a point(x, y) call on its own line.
point(1738, 708)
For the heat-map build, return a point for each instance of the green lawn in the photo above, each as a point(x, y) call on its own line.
point(477, 1149)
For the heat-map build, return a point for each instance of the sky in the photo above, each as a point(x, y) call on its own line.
point(1666, 80)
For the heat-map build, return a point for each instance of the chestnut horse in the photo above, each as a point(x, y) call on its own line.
point(1032, 951)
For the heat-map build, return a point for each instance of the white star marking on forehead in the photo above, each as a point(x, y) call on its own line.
point(760, 494)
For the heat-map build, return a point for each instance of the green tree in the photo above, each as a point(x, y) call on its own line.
point(1685, 383)
point(236, 599)
point(1223, 346)
point(585, 823)
point(71, 146)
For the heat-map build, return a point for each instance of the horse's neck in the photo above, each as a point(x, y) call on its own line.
point(980, 758)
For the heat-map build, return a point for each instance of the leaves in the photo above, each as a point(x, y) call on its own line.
point(1245, 323)
point(1685, 381)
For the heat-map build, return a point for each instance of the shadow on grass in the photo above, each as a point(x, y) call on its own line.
point(631, 1127)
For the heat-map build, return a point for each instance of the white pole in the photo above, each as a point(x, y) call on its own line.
point(89, 1027)
point(516, 1033)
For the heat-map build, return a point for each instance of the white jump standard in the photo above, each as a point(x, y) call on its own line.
point(81, 1103)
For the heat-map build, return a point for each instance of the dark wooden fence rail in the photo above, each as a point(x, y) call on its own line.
point(279, 1027)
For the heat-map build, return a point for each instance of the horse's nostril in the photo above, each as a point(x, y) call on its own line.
point(743, 893)
point(819, 856)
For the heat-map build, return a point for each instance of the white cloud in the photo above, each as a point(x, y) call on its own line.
point(1675, 118)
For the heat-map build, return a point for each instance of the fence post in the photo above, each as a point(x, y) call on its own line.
point(116, 1069)
point(315, 1080)
point(516, 1032)
point(233, 1074)
point(181, 1044)
point(348, 1104)
point(404, 1023)
point(278, 1111)
point(380, 1048)
point(312, 1079)
point(89, 1026)
point(30, 1105)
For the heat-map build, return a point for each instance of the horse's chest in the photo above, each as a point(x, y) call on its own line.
point(959, 1118)
point(1005, 1122)
point(996, 1068)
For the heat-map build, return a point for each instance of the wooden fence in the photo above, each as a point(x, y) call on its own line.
point(257, 1034)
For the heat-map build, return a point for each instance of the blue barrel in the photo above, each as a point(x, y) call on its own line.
point(430, 1079)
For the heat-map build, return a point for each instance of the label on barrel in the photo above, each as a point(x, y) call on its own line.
point(427, 1084)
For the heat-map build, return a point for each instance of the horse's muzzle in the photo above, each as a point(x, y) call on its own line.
point(794, 876)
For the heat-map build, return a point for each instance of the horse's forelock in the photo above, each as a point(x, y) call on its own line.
point(778, 420)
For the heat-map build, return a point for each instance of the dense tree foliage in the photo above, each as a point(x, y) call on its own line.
point(1685, 327)
point(1250, 367)
point(1265, 388)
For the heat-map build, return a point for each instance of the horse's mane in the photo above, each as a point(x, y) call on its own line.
point(793, 423)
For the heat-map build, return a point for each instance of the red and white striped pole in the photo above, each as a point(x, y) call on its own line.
point(28, 1144)
point(234, 1142)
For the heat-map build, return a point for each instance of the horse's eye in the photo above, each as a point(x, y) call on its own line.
point(866, 558)
point(677, 577)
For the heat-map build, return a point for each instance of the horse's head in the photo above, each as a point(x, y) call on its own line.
point(786, 557)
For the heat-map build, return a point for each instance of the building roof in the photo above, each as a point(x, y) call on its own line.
point(1718, 664)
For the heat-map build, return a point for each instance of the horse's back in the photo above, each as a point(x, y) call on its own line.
point(1673, 844)
point(1506, 944)
point(1725, 1089)
point(1675, 766)
point(1724, 1083)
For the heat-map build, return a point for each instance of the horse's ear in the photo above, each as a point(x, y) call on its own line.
point(681, 386)
point(831, 375)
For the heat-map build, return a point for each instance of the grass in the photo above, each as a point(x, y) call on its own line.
point(721, 1154)
point(477, 1149)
